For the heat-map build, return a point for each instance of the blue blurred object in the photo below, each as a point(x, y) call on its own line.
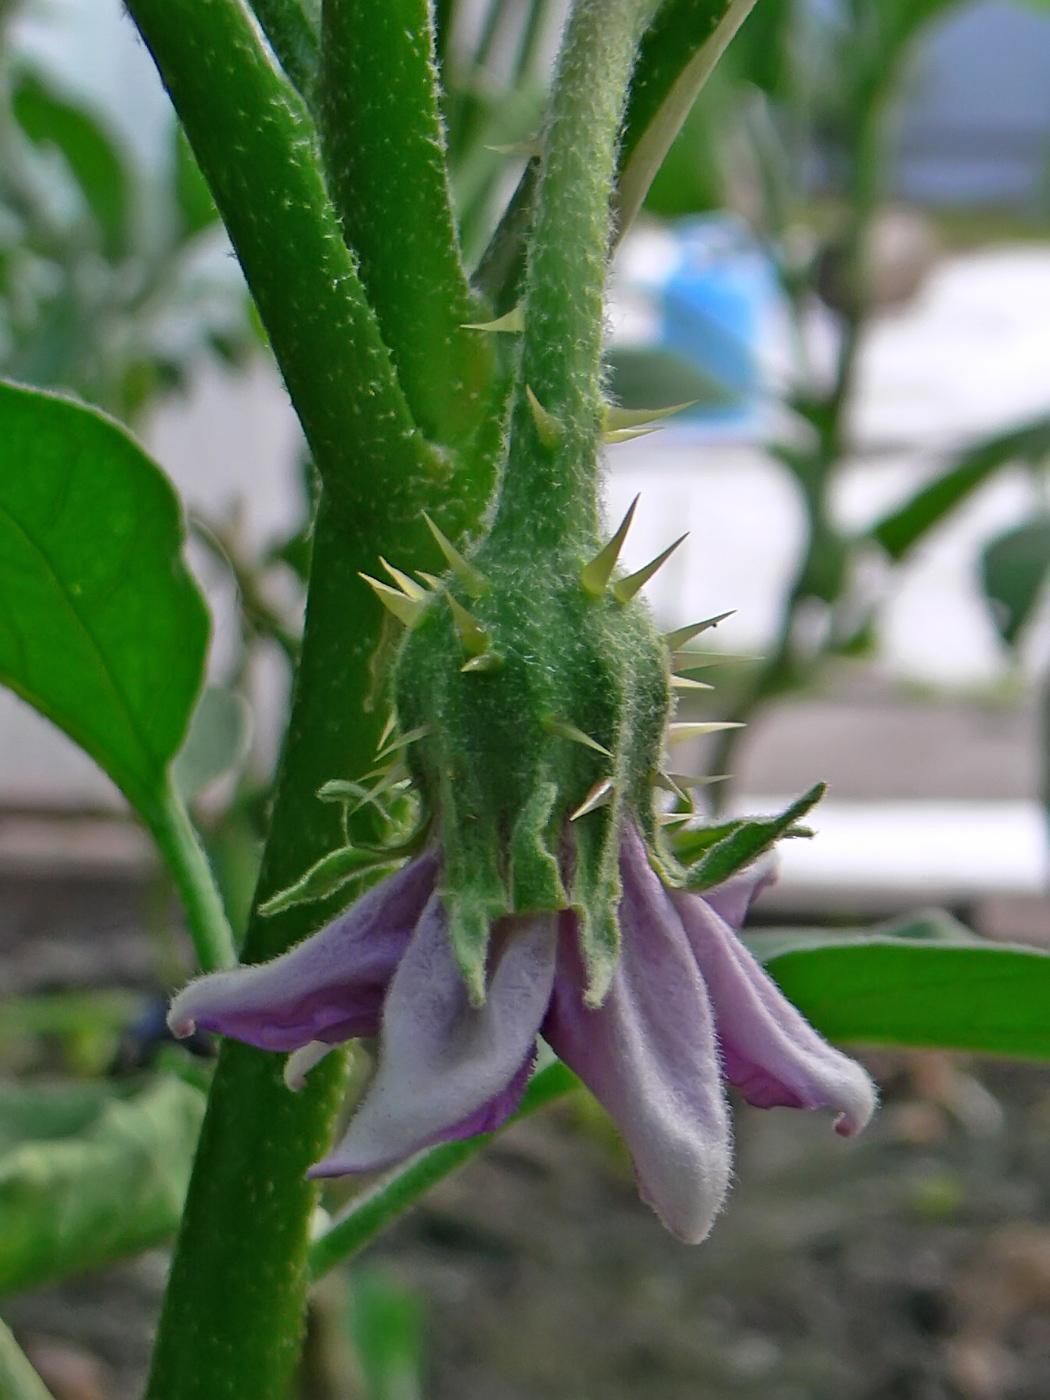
point(712, 296)
point(713, 306)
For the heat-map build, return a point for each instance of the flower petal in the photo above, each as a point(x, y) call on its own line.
point(329, 987)
point(448, 1069)
point(732, 898)
point(649, 1053)
point(770, 1051)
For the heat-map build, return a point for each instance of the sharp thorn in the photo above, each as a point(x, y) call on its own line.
point(699, 660)
point(614, 435)
point(472, 580)
point(674, 782)
point(431, 580)
point(564, 730)
point(408, 586)
point(403, 740)
point(487, 661)
point(510, 324)
point(686, 683)
point(625, 589)
point(617, 419)
point(471, 633)
point(681, 635)
point(530, 149)
point(599, 796)
point(596, 575)
point(676, 733)
point(405, 609)
point(548, 428)
point(388, 729)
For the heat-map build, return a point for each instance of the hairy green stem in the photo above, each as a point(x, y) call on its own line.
point(232, 1315)
point(256, 145)
point(550, 487)
point(294, 40)
point(385, 1202)
point(384, 151)
point(201, 902)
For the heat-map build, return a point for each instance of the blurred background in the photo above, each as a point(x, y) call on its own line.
point(844, 272)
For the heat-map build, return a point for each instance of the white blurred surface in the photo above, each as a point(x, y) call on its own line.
point(941, 850)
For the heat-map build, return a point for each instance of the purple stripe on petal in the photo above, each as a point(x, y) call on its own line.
point(732, 898)
point(648, 1052)
point(770, 1052)
point(330, 987)
point(444, 1065)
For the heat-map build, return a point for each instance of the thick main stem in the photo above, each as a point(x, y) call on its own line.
point(549, 489)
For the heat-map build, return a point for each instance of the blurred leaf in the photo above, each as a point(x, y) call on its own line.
point(898, 532)
point(115, 1188)
point(652, 377)
point(196, 207)
point(218, 739)
point(102, 628)
point(93, 159)
point(963, 994)
point(34, 1113)
point(18, 1380)
point(677, 54)
point(1013, 572)
point(386, 1324)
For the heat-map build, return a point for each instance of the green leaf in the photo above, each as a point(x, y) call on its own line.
point(1013, 572)
point(745, 841)
point(330, 874)
point(650, 377)
point(102, 628)
point(94, 161)
point(677, 55)
point(112, 1189)
point(949, 994)
point(902, 529)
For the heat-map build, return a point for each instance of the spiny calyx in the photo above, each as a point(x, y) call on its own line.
point(535, 699)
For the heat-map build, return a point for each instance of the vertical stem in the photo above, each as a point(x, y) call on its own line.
point(257, 147)
point(384, 149)
point(553, 490)
point(182, 851)
point(232, 1315)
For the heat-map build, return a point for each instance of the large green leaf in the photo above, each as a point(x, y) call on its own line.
point(93, 160)
point(102, 628)
point(947, 993)
point(1013, 571)
point(114, 1188)
point(905, 526)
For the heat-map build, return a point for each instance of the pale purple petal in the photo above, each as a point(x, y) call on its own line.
point(448, 1069)
point(649, 1053)
point(732, 898)
point(330, 987)
point(769, 1051)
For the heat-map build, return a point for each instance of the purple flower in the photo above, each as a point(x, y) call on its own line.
point(688, 1005)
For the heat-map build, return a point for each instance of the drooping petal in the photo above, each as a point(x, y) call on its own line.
point(732, 898)
point(329, 987)
point(649, 1052)
point(448, 1069)
point(769, 1051)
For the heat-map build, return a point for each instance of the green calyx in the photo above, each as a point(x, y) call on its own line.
point(512, 754)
